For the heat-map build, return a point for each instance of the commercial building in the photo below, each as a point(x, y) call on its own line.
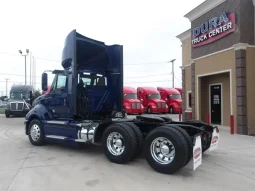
point(218, 70)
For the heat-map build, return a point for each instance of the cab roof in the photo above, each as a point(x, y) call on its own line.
point(149, 90)
point(24, 88)
point(169, 90)
point(129, 90)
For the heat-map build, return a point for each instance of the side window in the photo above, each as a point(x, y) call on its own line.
point(54, 83)
point(61, 82)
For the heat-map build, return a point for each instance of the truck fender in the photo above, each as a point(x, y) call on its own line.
point(39, 112)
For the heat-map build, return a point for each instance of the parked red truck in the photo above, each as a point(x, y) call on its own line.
point(172, 97)
point(132, 104)
point(151, 100)
point(180, 90)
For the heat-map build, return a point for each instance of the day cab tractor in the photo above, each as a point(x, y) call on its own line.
point(179, 90)
point(85, 105)
point(151, 100)
point(173, 99)
point(132, 105)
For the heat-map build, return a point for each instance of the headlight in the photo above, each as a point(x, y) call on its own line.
point(154, 106)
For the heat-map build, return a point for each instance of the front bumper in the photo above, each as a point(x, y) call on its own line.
point(159, 110)
point(17, 113)
point(134, 111)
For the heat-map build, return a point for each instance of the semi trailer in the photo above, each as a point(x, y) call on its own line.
point(85, 105)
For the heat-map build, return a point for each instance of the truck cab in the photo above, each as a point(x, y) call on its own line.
point(151, 100)
point(179, 90)
point(21, 98)
point(172, 98)
point(132, 104)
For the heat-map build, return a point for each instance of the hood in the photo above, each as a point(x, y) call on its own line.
point(131, 100)
point(176, 101)
point(38, 100)
point(157, 101)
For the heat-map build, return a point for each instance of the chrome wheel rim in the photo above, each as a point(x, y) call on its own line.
point(115, 144)
point(162, 150)
point(35, 132)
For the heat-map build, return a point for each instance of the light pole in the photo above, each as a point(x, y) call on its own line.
point(6, 86)
point(172, 71)
point(25, 55)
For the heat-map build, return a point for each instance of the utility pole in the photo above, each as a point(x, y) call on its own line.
point(25, 55)
point(6, 86)
point(172, 61)
point(30, 68)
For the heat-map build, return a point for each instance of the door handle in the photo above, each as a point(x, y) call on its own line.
point(64, 102)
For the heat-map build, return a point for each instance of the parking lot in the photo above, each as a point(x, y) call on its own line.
point(61, 167)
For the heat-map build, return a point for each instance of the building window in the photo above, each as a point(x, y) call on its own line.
point(189, 100)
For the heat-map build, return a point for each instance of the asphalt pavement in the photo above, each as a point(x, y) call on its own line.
point(54, 167)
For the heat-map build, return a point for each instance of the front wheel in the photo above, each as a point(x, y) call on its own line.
point(171, 110)
point(166, 150)
point(120, 143)
point(35, 133)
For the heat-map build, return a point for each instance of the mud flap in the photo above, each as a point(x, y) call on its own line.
point(215, 139)
point(197, 152)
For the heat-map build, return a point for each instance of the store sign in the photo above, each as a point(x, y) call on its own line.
point(214, 29)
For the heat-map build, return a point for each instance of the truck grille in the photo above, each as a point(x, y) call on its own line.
point(161, 105)
point(17, 106)
point(136, 105)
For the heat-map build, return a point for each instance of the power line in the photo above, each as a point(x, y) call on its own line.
point(147, 82)
point(125, 77)
point(137, 64)
point(149, 75)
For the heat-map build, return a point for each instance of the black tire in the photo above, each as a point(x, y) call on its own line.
point(188, 140)
point(171, 110)
point(130, 142)
point(41, 140)
point(7, 115)
point(180, 145)
point(139, 138)
point(149, 110)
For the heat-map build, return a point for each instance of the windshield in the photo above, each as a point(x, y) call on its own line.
point(130, 96)
point(153, 96)
point(19, 95)
point(174, 96)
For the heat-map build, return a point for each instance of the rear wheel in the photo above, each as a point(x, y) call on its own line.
point(139, 138)
point(120, 143)
point(188, 140)
point(166, 150)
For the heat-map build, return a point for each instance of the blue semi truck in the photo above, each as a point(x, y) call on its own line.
point(85, 105)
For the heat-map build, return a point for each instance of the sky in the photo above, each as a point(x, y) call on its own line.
point(146, 29)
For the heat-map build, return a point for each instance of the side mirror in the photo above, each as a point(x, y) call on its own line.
point(44, 81)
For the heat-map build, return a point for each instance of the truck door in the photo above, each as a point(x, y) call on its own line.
point(57, 97)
